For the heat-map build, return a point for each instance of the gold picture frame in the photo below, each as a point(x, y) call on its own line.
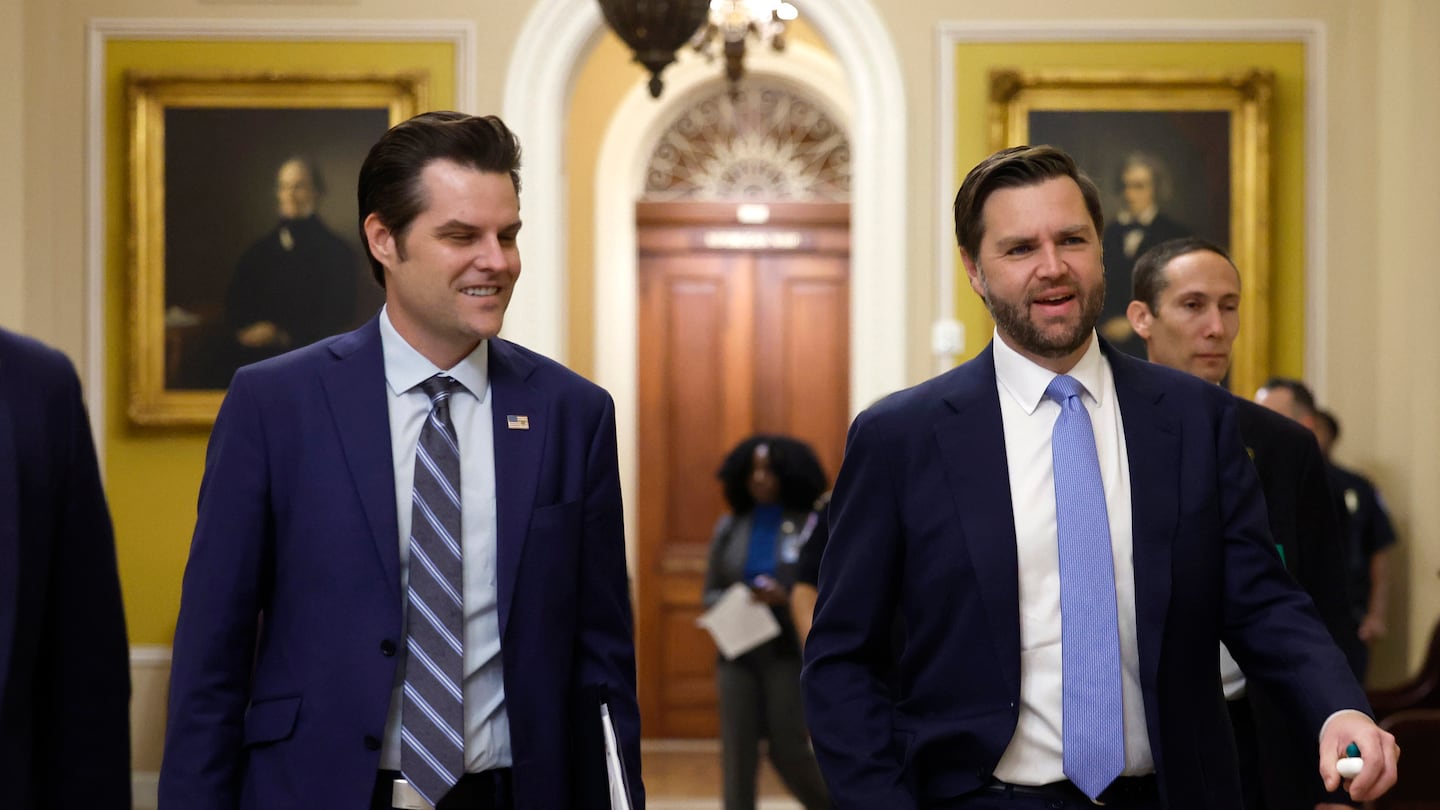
point(1209, 132)
point(205, 156)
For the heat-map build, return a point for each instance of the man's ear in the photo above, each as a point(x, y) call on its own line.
point(381, 240)
point(1140, 317)
point(972, 269)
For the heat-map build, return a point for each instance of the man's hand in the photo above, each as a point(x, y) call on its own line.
point(1377, 749)
point(1372, 627)
point(261, 333)
point(768, 590)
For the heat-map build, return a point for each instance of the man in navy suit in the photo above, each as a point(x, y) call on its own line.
point(64, 663)
point(1185, 305)
point(944, 515)
point(297, 678)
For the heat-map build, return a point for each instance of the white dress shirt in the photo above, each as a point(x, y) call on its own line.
point(487, 726)
point(1034, 755)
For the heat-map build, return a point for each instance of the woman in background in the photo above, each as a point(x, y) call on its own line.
point(771, 483)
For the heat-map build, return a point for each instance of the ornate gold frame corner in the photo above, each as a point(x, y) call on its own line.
point(1245, 95)
point(148, 96)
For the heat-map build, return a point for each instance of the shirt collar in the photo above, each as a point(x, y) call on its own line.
point(406, 368)
point(1144, 219)
point(1025, 381)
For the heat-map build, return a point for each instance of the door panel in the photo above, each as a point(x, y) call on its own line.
point(743, 329)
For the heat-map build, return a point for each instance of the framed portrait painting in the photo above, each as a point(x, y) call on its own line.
point(245, 240)
point(1173, 154)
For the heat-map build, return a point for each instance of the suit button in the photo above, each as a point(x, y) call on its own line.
point(387, 648)
point(372, 743)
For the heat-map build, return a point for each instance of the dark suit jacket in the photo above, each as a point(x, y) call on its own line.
point(922, 526)
point(64, 661)
point(1120, 269)
point(1304, 525)
point(1367, 530)
point(297, 523)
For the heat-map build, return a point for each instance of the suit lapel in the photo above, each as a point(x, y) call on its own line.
point(1152, 445)
point(517, 461)
point(9, 529)
point(355, 389)
point(972, 447)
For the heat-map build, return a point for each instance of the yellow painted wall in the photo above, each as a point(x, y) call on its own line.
point(603, 80)
point(152, 474)
point(973, 63)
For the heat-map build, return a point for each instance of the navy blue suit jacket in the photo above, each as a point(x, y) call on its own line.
point(922, 530)
point(290, 619)
point(64, 663)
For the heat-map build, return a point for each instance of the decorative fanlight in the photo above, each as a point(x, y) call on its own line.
point(655, 30)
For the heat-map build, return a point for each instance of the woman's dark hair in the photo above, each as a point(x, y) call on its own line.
point(796, 468)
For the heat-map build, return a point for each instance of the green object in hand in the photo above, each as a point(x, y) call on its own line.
point(1352, 750)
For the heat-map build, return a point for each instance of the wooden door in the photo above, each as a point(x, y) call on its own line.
point(743, 329)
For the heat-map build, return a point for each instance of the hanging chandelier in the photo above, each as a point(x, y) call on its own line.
point(732, 22)
point(656, 29)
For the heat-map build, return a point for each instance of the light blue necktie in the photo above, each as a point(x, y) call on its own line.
point(1094, 728)
point(432, 755)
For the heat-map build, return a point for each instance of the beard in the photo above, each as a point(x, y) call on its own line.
point(1013, 319)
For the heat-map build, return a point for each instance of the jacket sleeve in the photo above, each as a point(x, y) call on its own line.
point(84, 747)
point(848, 651)
point(220, 605)
point(606, 638)
point(1270, 625)
point(715, 582)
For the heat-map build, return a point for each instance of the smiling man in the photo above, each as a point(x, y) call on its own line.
point(1186, 307)
point(1065, 535)
point(407, 584)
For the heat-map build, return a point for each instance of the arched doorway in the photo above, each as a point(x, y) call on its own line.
point(545, 58)
point(744, 297)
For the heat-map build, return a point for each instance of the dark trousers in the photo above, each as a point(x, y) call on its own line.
point(489, 790)
point(760, 698)
point(1130, 794)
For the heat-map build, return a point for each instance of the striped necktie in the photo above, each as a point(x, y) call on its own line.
point(1094, 719)
point(433, 717)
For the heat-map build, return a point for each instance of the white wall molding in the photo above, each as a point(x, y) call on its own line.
point(100, 31)
point(1311, 33)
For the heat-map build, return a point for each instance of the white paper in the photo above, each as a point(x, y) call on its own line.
point(738, 622)
point(619, 789)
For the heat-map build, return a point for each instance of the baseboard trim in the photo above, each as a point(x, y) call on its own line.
point(149, 655)
point(145, 789)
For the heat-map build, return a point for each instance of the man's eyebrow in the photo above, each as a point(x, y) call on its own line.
point(455, 225)
point(1006, 242)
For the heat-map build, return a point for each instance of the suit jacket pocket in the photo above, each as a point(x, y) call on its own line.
point(272, 720)
point(559, 518)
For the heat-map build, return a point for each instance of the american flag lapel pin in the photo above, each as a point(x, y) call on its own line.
point(515, 422)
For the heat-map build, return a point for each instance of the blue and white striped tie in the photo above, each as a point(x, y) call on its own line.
point(433, 718)
point(1094, 719)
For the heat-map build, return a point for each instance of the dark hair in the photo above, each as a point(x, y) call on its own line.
point(1013, 168)
point(1299, 391)
point(1148, 279)
point(390, 184)
point(317, 180)
point(798, 471)
point(1328, 419)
